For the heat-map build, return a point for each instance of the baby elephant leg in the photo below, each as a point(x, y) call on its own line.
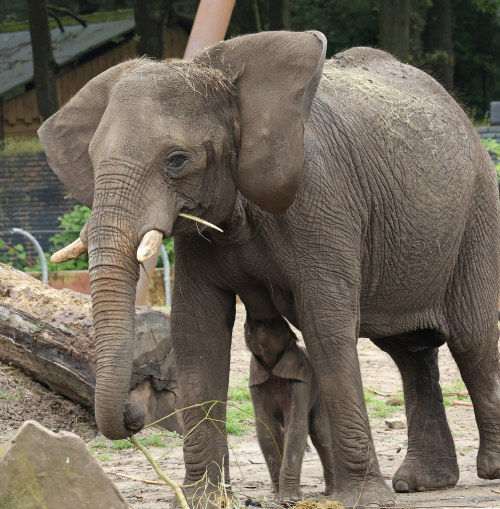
point(296, 428)
point(270, 438)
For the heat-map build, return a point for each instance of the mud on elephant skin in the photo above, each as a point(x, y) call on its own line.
point(356, 199)
point(287, 405)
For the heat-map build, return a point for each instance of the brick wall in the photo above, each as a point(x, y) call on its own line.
point(31, 198)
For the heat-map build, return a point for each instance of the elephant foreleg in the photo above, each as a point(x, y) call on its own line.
point(320, 436)
point(431, 460)
point(330, 329)
point(202, 322)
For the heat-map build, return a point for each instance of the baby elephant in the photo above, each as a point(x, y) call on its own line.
point(286, 398)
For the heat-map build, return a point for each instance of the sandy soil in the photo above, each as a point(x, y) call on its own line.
point(21, 398)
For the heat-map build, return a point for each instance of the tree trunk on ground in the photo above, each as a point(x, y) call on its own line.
point(279, 14)
point(150, 20)
point(48, 334)
point(44, 65)
point(438, 43)
point(395, 27)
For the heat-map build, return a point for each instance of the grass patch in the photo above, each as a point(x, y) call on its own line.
point(240, 418)
point(379, 406)
point(454, 389)
point(155, 440)
point(239, 392)
point(16, 145)
point(103, 457)
point(239, 421)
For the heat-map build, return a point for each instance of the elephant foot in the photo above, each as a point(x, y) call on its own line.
point(374, 495)
point(329, 488)
point(488, 463)
point(287, 497)
point(425, 475)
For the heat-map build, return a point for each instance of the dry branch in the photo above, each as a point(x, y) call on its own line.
point(461, 403)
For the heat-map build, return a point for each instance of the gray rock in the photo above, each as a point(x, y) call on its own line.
point(39, 469)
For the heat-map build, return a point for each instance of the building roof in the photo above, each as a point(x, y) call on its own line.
point(16, 62)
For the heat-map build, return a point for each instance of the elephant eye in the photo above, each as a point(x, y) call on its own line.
point(176, 161)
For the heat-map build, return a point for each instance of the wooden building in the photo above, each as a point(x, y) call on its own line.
point(81, 53)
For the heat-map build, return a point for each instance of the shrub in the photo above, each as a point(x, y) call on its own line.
point(493, 146)
point(72, 223)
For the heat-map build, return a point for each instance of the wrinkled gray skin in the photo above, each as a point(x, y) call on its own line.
point(362, 206)
point(287, 405)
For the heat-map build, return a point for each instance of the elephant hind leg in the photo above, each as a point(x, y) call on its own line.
point(431, 461)
point(477, 356)
point(472, 315)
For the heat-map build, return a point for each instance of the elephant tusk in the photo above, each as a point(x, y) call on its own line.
point(70, 252)
point(199, 220)
point(150, 243)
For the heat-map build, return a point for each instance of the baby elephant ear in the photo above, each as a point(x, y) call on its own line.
point(276, 75)
point(66, 135)
point(294, 365)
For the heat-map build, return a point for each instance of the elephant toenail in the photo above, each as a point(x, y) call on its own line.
point(401, 486)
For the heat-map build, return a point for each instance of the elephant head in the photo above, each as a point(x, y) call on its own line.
point(145, 141)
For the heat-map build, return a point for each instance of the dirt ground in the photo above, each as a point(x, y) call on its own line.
point(22, 398)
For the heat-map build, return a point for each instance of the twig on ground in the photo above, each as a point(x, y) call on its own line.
point(461, 403)
point(137, 479)
point(378, 393)
point(175, 486)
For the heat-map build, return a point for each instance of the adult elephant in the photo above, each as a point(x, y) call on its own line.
point(355, 200)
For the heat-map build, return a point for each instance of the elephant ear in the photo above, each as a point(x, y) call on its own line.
point(276, 75)
point(258, 373)
point(66, 135)
point(294, 365)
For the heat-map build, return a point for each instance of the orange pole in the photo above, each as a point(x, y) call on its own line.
point(210, 26)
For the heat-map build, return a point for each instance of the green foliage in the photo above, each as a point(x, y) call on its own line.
point(493, 146)
point(15, 256)
point(71, 223)
point(169, 247)
point(476, 46)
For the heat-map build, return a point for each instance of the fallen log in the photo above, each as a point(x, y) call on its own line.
point(48, 333)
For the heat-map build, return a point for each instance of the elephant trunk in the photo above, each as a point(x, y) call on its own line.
point(114, 272)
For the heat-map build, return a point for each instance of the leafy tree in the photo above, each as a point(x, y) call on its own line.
point(476, 34)
point(438, 44)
